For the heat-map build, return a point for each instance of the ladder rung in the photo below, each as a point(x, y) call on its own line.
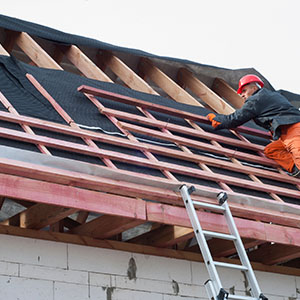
point(232, 266)
point(240, 297)
point(210, 206)
point(219, 235)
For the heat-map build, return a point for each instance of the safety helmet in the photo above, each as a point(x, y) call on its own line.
point(248, 79)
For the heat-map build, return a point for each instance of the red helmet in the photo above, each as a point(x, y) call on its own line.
point(248, 79)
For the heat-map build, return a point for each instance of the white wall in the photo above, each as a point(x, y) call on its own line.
point(42, 270)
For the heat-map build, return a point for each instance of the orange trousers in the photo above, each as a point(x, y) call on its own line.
point(286, 150)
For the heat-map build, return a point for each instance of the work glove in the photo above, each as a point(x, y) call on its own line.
point(214, 123)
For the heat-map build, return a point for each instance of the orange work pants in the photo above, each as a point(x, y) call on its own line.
point(286, 150)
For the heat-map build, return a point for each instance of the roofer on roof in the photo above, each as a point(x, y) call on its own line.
point(273, 112)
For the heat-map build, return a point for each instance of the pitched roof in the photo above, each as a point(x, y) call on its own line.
point(94, 147)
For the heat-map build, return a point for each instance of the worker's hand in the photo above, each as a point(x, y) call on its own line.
point(214, 123)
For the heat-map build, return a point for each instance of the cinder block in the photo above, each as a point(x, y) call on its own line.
point(63, 291)
point(119, 294)
point(25, 289)
point(276, 284)
point(192, 290)
point(9, 269)
point(147, 285)
point(170, 297)
point(54, 274)
point(162, 268)
point(102, 280)
point(100, 293)
point(199, 273)
point(98, 260)
point(33, 251)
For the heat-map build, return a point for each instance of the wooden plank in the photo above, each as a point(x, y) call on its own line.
point(73, 147)
point(164, 236)
point(130, 78)
point(125, 188)
point(223, 89)
point(166, 83)
point(35, 52)
point(40, 215)
point(128, 247)
point(72, 197)
point(84, 64)
point(221, 248)
point(201, 145)
point(172, 215)
point(163, 109)
point(106, 226)
point(187, 78)
point(270, 253)
point(143, 146)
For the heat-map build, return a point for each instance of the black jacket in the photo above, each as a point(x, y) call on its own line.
point(267, 109)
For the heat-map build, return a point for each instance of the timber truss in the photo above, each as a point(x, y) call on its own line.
point(73, 207)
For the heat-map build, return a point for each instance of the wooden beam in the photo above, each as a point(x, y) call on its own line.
point(35, 52)
point(163, 109)
point(187, 78)
point(125, 188)
point(40, 215)
point(130, 78)
point(221, 248)
point(128, 247)
point(165, 236)
point(223, 89)
point(166, 83)
point(84, 64)
point(70, 197)
point(106, 226)
point(172, 215)
point(270, 254)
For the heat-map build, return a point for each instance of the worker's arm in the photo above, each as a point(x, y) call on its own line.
point(239, 117)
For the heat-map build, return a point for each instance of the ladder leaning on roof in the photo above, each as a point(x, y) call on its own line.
point(213, 285)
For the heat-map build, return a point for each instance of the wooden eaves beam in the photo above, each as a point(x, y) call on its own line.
point(128, 189)
point(81, 199)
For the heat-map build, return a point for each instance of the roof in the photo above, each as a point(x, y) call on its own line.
point(94, 149)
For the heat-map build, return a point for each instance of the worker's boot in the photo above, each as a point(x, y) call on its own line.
point(295, 172)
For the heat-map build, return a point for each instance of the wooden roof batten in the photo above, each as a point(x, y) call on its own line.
point(176, 234)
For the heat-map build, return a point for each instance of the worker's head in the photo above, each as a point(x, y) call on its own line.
point(248, 85)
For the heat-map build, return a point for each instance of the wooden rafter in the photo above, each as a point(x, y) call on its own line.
point(271, 253)
point(166, 83)
point(83, 63)
point(186, 78)
point(129, 77)
point(104, 227)
point(39, 216)
point(223, 89)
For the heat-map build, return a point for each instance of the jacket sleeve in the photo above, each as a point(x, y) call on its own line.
point(239, 117)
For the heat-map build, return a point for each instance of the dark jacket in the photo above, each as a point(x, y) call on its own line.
point(267, 109)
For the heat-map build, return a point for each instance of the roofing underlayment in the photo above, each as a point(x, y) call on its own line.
point(97, 139)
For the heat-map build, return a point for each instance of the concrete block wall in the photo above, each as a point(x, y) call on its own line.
point(42, 270)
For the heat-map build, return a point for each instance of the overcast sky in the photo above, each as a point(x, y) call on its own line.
point(263, 34)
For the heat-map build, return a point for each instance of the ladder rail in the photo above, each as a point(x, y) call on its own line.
point(213, 286)
point(207, 257)
point(241, 251)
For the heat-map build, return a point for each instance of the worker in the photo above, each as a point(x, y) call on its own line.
point(273, 112)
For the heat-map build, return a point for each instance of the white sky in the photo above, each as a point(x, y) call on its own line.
point(263, 34)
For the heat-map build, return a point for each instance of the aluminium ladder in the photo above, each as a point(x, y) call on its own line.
point(213, 286)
